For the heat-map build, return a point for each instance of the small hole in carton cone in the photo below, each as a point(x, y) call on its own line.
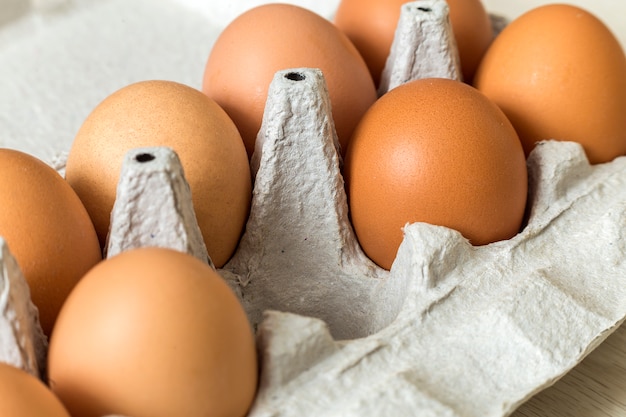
point(144, 157)
point(425, 9)
point(295, 76)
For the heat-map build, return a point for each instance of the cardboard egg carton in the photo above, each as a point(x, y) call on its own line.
point(451, 330)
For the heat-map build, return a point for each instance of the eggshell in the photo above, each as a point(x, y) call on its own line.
point(153, 332)
point(273, 37)
point(47, 229)
point(371, 25)
point(435, 151)
point(559, 73)
point(23, 395)
point(166, 113)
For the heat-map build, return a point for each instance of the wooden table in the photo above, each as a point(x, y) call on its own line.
point(594, 388)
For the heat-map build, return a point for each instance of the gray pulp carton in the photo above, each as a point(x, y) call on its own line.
point(452, 329)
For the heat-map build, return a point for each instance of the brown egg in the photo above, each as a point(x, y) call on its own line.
point(275, 37)
point(165, 113)
point(47, 229)
point(371, 25)
point(23, 395)
point(434, 151)
point(559, 73)
point(153, 332)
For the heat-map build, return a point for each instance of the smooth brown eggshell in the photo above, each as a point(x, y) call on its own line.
point(153, 332)
point(371, 25)
point(23, 395)
point(434, 151)
point(47, 229)
point(559, 73)
point(274, 37)
point(166, 113)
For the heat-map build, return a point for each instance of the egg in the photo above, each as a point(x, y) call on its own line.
point(166, 113)
point(153, 332)
point(23, 395)
point(274, 37)
point(558, 73)
point(47, 229)
point(434, 151)
point(371, 25)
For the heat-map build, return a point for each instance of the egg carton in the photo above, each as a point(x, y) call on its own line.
point(450, 330)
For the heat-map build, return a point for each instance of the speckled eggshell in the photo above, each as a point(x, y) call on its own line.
point(23, 395)
point(559, 73)
point(274, 37)
point(166, 113)
point(153, 332)
point(435, 151)
point(371, 25)
point(47, 229)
